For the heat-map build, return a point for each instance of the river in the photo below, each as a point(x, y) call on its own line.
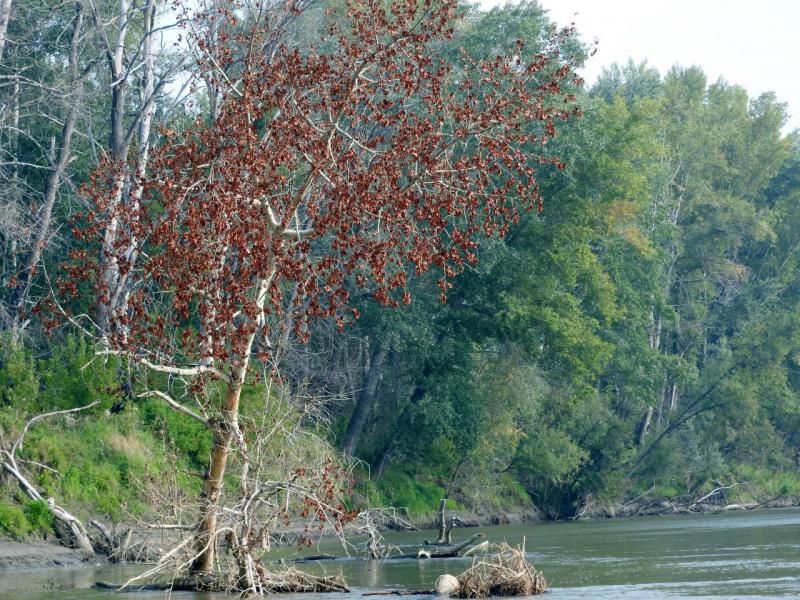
point(733, 556)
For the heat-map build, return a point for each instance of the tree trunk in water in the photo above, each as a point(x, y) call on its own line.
point(442, 522)
point(212, 484)
point(225, 429)
point(366, 398)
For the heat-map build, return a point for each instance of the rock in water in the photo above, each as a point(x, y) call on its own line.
point(446, 584)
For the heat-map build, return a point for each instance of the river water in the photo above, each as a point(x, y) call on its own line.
point(734, 556)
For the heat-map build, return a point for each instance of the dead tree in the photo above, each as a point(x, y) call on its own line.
point(69, 527)
point(310, 495)
point(452, 551)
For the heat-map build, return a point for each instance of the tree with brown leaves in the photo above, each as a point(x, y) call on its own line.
point(323, 172)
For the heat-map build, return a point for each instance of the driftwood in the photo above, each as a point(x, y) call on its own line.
point(453, 551)
point(177, 586)
point(183, 584)
point(444, 527)
point(119, 547)
point(506, 573)
point(293, 581)
point(748, 506)
point(375, 547)
point(482, 547)
point(444, 552)
point(290, 581)
point(315, 557)
point(401, 593)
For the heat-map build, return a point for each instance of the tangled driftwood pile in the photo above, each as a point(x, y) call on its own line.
point(506, 573)
point(294, 581)
point(289, 581)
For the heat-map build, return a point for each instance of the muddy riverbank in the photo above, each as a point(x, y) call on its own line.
point(41, 555)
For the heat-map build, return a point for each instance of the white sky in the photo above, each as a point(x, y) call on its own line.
point(752, 44)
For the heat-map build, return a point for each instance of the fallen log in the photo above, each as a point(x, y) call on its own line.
point(747, 506)
point(453, 551)
point(176, 586)
point(315, 557)
point(483, 546)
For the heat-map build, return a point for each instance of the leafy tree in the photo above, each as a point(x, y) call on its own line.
point(318, 168)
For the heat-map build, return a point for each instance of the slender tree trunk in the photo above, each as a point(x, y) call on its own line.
point(673, 401)
point(645, 425)
point(212, 484)
point(118, 151)
point(226, 429)
point(662, 399)
point(59, 164)
point(118, 296)
point(690, 411)
point(366, 399)
point(382, 458)
point(5, 17)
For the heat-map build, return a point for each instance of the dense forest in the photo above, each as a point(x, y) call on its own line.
point(637, 337)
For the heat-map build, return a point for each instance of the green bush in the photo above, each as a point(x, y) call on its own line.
point(399, 489)
point(39, 516)
point(13, 521)
point(19, 381)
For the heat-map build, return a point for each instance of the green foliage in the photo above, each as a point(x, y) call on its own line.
point(401, 490)
point(662, 279)
point(759, 483)
point(26, 518)
point(13, 521)
point(101, 463)
point(189, 438)
point(19, 384)
point(98, 462)
point(39, 516)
